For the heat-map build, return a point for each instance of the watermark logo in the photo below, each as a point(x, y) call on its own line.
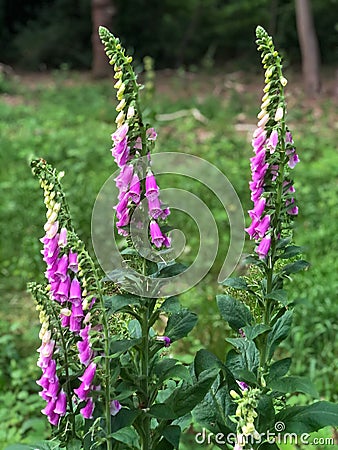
point(115, 265)
point(276, 436)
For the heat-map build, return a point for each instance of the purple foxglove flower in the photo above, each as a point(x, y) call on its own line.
point(135, 189)
point(154, 207)
point(49, 408)
point(151, 134)
point(53, 389)
point(87, 411)
point(259, 140)
point(152, 190)
point(75, 290)
point(122, 207)
point(263, 247)
point(167, 241)
point(46, 349)
point(157, 237)
point(122, 158)
point(258, 160)
point(61, 404)
point(138, 144)
point(62, 241)
point(85, 352)
point(120, 133)
point(273, 141)
point(274, 171)
point(88, 375)
point(81, 392)
point(51, 229)
point(43, 382)
point(293, 211)
point(124, 178)
point(251, 230)
point(63, 290)
point(65, 320)
point(263, 226)
point(51, 246)
point(49, 260)
point(115, 407)
point(73, 262)
point(259, 174)
point(124, 220)
point(50, 371)
point(165, 339)
point(61, 271)
point(53, 419)
point(258, 208)
point(165, 213)
point(84, 333)
point(242, 385)
point(77, 310)
point(75, 324)
point(293, 160)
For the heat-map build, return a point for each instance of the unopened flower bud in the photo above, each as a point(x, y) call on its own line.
point(234, 394)
point(130, 112)
point(279, 114)
point(283, 81)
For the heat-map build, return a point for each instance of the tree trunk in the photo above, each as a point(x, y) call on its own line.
point(102, 14)
point(308, 46)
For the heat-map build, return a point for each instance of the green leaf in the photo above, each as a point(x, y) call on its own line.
point(306, 419)
point(293, 384)
point(251, 332)
point(236, 313)
point(295, 267)
point(162, 411)
point(291, 251)
point(121, 346)
point(185, 397)
point(123, 419)
point(172, 434)
point(268, 446)
point(279, 332)
point(247, 376)
point(236, 283)
point(128, 436)
point(280, 295)
point(205, 360)
point(171, 270)
point(278, 369)
point(180, 324)
point(171, 305)
point(117, 302)
point(177, 371)
point(249, 355)
point(266, 414)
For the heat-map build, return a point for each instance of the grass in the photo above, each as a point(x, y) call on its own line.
point(68, 121)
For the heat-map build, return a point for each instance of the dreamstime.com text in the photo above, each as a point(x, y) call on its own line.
point(278, 437)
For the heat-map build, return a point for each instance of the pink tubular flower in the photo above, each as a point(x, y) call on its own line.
point(165, 339)
point(263, 247)
point(152, 190)
point(157, 237)
point(87, 411)
point(115, 407)
point(135, 189)
point(72, 262)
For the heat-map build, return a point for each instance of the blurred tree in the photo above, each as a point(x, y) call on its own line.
point(309, 46)
point(102, 14)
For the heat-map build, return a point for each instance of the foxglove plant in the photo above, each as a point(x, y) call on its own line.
point(249, 397)
point(107, 377)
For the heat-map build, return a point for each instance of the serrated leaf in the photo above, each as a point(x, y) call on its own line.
point(279, 332)
point(295, 267)
point(171, 270)
point(236, 313)
point(278, 369)
point(205, 360)
point(251, 332)
point(291, 251)
point(236, 283)
point(121, 346)
point(117, 302)
point(171, 305)
point(306, 419)
point(127, 436)
point(180, 324)
point(292, 384)
point(280, 295)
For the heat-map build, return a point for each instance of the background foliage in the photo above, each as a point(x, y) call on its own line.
point(42, 34)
